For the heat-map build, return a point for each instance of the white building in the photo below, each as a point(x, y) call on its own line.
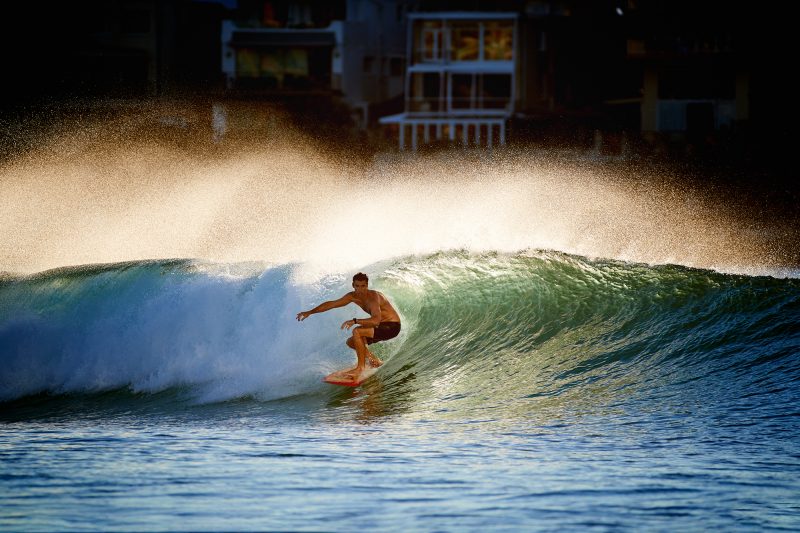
point(461, 79)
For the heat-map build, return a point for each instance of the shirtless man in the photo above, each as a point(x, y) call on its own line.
point(383, 322)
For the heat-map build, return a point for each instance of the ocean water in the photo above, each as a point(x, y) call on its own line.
point(528, 391)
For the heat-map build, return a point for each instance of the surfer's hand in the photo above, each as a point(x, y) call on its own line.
point(347, 324)
point(302, 315)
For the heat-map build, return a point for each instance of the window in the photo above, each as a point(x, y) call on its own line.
point(464, 41)
point(462, 91)
point(428, 41)
point(247, 63)
point(498, 41)
point(495, 91)
point(426, 92)
point(480, 91)
point(283, 68)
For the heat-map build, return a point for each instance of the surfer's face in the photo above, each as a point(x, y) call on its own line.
point(360, 286)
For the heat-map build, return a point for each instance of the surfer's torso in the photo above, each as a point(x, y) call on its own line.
point(373, 299)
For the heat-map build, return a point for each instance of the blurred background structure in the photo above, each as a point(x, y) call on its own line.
point(612, 77)
point(461, 78)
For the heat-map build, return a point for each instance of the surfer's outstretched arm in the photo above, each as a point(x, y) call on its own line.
point(326, 306)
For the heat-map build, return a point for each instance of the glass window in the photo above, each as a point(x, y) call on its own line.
point(247, 63)
point(428, 40)
point(464, 41)
point(498, 41)
point(272, 67)
point(462, 90)
point(495, 91)
point(480, 91)
point(426, 92)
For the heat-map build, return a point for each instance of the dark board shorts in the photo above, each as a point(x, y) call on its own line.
point(385, 331)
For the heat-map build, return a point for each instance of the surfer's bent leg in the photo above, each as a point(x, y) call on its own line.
point(384, 332)
point(359, 342)
point(371, 357)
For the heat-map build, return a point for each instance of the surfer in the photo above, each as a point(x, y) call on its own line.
point(383, 322)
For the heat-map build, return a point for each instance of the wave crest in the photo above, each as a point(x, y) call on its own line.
point(534, 324)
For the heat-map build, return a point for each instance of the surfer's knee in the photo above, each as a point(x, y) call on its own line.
point(359, 337)
point(350, 342)
point(362, 333)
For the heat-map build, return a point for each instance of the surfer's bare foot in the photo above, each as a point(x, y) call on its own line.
point(373, 361)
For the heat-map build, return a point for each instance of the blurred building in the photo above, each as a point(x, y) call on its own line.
point(572, 68)
point(695, 64)
point(464, 71)
point(353, 48)
point(461, 78)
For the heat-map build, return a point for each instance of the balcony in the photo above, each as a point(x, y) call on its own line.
point(278, 60)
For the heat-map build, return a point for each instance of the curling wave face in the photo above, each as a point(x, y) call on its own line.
point(493, 330)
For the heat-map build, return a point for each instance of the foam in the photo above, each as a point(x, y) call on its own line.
point(223, 337)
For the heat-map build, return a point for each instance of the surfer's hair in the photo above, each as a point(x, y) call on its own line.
point(360, 277)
